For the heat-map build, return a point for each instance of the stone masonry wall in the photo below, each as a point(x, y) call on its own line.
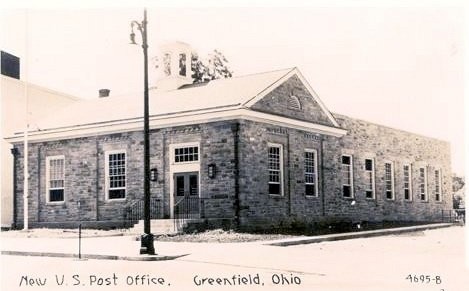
point(85, 174)
point(384, 144)
point(259, 210)
point(85, 167)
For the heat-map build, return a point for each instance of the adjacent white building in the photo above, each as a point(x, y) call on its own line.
point(21, 102)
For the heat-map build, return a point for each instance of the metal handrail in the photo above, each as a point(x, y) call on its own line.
point(448, 215)
point(189, 207)
point(134, 212)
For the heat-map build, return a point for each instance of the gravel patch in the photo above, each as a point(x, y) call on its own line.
point(221, 236)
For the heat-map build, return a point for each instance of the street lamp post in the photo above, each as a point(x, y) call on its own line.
point(146, 246)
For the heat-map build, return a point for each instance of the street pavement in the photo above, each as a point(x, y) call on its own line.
point(434, 259)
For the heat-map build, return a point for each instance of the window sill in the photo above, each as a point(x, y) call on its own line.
point(311, 196)
point(55, 202)
point(276, 195)
point(370, 198)
point(185, 163)
point(116, 200)
point(408, 200)
point(348, 198)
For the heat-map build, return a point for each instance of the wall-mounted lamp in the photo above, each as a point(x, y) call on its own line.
point(212, 169)
point(14, 151)
point(154, 174)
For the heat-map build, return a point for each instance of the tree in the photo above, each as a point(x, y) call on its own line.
point(458, 184)
point(215, 67)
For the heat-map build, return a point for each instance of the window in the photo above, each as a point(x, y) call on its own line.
point(55, 175)
point(407, 182)
point(115, 174)
point(186, 154)
point(370, 178)
point(311, 179)
point(423, 184)
point(347, 176)
point(182, 64)
point(167, 64)
point(294, 103)
point(389, 180)
point(437, 185)
point(275, 169)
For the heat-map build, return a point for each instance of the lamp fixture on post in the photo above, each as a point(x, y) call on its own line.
point(147, 238)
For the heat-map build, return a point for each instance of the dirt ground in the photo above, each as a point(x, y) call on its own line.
point(217, 235)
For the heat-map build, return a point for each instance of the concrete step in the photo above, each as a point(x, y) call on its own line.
point(158, 226)
point(162, 226)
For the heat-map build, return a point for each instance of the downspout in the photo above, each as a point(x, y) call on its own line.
point(289, 175)
point(14, 152)
point(323, 205)
point(97, 179)
point(163, 198)
point(39, 183)
point(236, 173)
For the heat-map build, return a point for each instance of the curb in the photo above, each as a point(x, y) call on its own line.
point(92, 256)
point(94, 236)
point(362, 234)
point(5, 234)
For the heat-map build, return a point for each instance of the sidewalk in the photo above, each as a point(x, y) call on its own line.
point(360, 234)
point(127, 248)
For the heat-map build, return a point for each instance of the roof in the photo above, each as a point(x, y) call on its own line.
point(222, 93)
point(216, 96)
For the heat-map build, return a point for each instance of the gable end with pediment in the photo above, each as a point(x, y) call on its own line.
point(292, 99)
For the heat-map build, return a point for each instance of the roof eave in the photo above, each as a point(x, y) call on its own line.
point(175, 120)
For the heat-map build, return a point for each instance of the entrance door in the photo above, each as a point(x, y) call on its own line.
point(186, 193)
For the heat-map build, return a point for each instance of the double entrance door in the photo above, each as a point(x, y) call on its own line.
point(186, 194)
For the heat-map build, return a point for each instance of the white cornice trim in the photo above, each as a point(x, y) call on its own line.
point(292, 123)
point(316, 98)
point(269, 89)
point(176, 120)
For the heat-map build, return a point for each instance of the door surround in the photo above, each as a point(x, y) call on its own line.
point(181, 167)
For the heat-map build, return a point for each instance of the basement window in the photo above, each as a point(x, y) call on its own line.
point(311, 177)
point(275, 169)
point(55, 175)
point(347, 176)
point(116, 174)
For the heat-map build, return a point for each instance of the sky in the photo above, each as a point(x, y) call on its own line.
point(397, 66)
